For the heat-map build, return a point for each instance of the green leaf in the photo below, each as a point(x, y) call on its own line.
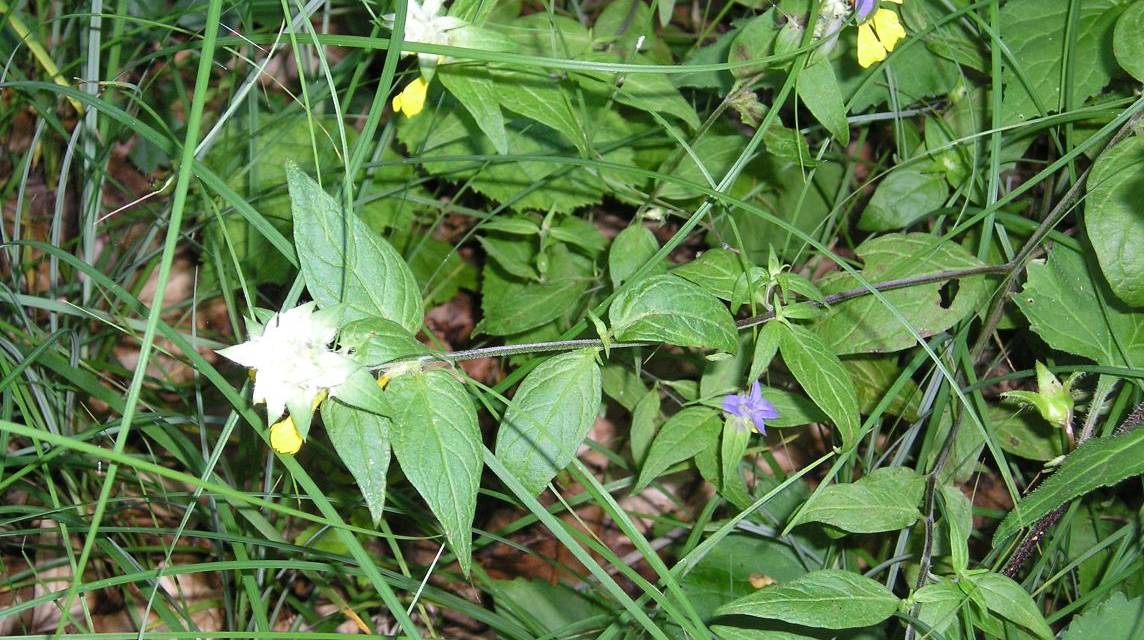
point(822, 376)
point(553, 606)
point(727, 570)
point(905, 196)
point(941, 603)
point(633, 246)
point(549, 417)
point(716, 152)
point(1113, 219)
point(756, 40)
point(1100, 462)
point(477, 92)
point(794, 409)
point(512, 306)
point(766, 345)
point(886, 499)
point(535, 95)
point(514, 254)
point(1075, 312)
point(716, 270)
point(1117, 618)
point(872, 377)
point(865, 325)
point(829, 599)
point(361, 439)
point(734, 633)
point(1009, 600)
point(376, 341)
point(354, 266)
point(958, 512)
point(645, 419)
point(1036, 32)
point(1023, 432)
point(438, 444)
point(681, 437)
point(1128, 41)
point(360, 390)
point(669, 309)
point(818, 89)
point(652, 92)
point(580, 233)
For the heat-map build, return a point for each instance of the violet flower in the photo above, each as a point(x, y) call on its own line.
point(751, 406)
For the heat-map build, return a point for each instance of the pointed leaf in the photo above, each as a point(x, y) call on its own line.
point(884, 500)
point(1009, 600)
point(828, 599)
point(475, 90)
point(669, 309)
point(681, 437)
point(349, 264)
point(819, 91)
point(1113, 220)
point(549, 417)
point(438, 444)
point(1100, 462)
point(361, 440)
point(823, 377)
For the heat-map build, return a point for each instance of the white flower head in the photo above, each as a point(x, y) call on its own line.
point(292, 359)
point(423, 23)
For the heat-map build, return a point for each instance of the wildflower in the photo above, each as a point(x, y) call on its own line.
point(284, 437)
point(880, 34)
point(411, 100)
point(751, 406)
point(292, 360)
point(424, 24)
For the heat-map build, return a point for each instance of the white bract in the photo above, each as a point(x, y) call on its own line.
point(424, 24)
point(292, 359)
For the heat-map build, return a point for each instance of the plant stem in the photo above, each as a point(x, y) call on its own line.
point(745, 323)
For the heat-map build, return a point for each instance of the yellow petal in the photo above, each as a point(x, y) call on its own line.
point(889, 29)
point(382, 380)
point(412, 98)
point(870, 50)
point(397, 103)
point(895, 1)
point(284, 437)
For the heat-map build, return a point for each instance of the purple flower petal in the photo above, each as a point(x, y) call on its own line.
point(864, 7)
point(751, 406)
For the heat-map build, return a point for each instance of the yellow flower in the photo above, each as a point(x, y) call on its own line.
point(411, 100)
point(284, 437)
point(878, 36)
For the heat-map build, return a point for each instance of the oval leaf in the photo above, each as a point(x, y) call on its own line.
point(1113, 219)
point(354, 266)
point(669, 309)
point(818, 89)
point(1100, 462)
point(549, 417)
point(829, 599)
point(884, 500)
point(361, 439)
point(632, 247)
point(1009, 600)
point(902, 198)
point(376, 341)
point(823, 377)
point(438, 443)
point(687, 433)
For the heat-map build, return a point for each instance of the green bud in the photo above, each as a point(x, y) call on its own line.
point(1053, 400)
